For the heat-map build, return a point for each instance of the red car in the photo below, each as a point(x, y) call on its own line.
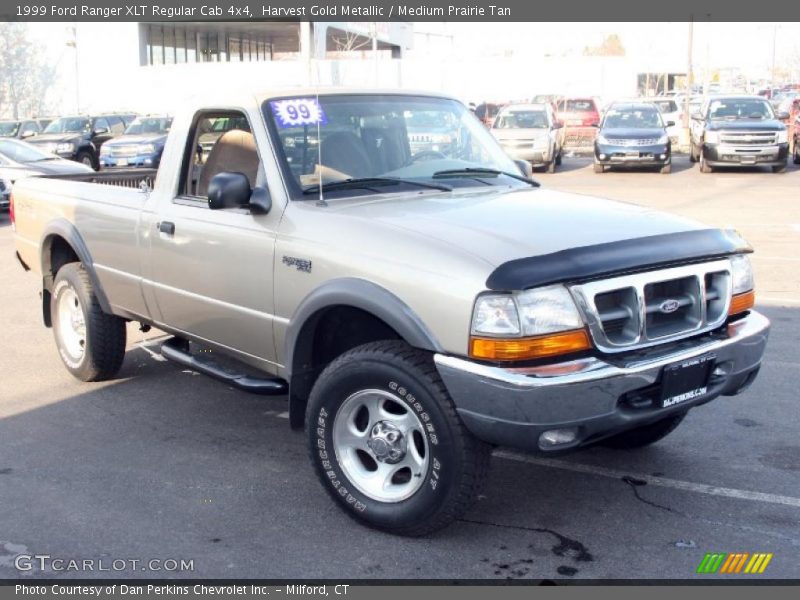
point(578, 112)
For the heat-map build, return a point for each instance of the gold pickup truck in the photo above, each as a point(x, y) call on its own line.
point(416, 304)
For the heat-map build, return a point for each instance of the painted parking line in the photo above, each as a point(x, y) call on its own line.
point(780, 301)
point(700, 488)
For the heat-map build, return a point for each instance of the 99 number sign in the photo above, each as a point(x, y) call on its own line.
point(295, 112)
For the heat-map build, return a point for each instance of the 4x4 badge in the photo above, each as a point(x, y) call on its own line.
point(302, 264)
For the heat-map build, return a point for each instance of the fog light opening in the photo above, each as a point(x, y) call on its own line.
point(558, 437)
point(663, 157)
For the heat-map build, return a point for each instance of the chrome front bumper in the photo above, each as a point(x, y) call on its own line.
point(595, 397)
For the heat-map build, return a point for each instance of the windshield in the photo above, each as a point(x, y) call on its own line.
point(68, 125)
point(743, 108)
point(579, 106)
point(9, 128)
point(145, 125)
point(666, 106)
point(389, 136)
point(522, 119)
point(22, 152)
point(634, 119)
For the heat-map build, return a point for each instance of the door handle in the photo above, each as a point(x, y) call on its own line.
point(167, 227)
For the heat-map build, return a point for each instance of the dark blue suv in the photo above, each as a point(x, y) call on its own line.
point(140, 146)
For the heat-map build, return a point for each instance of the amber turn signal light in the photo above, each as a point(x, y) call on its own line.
point(540, 346)
point(742, 302)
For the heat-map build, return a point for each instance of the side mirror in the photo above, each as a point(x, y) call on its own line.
point(525, 168)
point(101, 131)
point(28, 134)
point(228, 190)
point(782, 116)
point(670, 123)
point(260, 201)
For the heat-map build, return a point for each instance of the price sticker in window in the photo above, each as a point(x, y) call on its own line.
point(295, 112)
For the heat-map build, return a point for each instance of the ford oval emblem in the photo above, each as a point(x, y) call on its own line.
point(669, 306)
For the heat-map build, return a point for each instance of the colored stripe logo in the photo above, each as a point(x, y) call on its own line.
point(734, 563)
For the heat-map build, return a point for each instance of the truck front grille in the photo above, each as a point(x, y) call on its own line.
point(638, 142)
point(643, 309)
point(123, 151)
point(748, 138)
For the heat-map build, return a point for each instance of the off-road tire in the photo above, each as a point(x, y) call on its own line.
point(666, 169)
point(457, 462)
point(704, 166)
point(105, 335)
point(598, 168)
point(559, 158)
point(645, 435)
point(694, 155)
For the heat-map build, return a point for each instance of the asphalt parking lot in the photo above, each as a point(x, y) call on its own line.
point(162, 463)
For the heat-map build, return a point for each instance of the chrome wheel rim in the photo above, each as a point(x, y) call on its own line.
point(380, 445)
point(71, 324)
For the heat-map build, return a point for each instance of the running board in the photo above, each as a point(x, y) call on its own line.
point(177, 350)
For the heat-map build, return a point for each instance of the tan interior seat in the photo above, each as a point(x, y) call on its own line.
point(234, 152)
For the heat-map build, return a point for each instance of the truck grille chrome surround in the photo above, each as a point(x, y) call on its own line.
point(644, 309)
point(633, 142)
point(748, 138)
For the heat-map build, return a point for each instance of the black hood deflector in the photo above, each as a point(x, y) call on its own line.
point(616, 258)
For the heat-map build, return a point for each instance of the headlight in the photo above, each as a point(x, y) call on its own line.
point(65, 147)
point(527, 325)
point(146, 149)
point(712, 137)
point(105, 150)
point(742, 274)
point(601, 139)
point(782, 137)
point(743, 284)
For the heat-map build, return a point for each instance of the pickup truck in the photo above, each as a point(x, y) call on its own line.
point(738, 131)
point(415, 309)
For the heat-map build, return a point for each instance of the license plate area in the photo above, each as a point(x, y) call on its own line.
point(686, 380)
point(122, 162)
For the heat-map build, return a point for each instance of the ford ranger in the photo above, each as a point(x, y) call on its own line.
point(415, 308)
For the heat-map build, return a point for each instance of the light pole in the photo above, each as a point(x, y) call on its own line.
point(774, 43)
point(73, 43)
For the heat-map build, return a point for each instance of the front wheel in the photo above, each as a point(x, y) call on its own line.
point(387, 444)
point(796, 155)
point(645, 435)
point(704, 166)
point(598, 168)
point(779, 169)
point(666, 169)
point(90, 342)
point(693, 153)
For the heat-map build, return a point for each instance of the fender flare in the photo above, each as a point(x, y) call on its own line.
point(64, 229)
point(367, 296)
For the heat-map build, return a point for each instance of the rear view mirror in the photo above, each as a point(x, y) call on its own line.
point(525, 168)
point(260, 201)
point(228, 190)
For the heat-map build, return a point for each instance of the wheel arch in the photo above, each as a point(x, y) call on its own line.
point(336, 317)
point(61, 244)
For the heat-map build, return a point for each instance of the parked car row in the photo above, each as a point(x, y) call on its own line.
point(96, 141)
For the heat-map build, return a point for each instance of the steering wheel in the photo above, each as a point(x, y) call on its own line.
point(428, 155)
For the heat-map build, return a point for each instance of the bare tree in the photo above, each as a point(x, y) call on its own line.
point(349, 41)
point(24, 75)
point(610, 46)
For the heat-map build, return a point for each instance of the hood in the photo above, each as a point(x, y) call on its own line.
point(746, 125)
point(631, 133)
point(520, 134)
point(499, 225)
point(55, 138)
point(148, 138)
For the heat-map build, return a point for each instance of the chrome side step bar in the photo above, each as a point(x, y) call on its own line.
point(177, 350)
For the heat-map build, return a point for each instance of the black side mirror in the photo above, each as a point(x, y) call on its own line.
point(260, 201)
point(228, 190)
point(670, 123)
point(525, 168)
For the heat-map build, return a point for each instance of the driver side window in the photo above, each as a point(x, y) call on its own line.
point(220, 141)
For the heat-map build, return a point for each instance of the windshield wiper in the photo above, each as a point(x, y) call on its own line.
point(481, 172)
point(368, 183)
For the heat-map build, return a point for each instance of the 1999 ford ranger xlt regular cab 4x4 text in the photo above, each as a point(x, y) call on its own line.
point(416, 307)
